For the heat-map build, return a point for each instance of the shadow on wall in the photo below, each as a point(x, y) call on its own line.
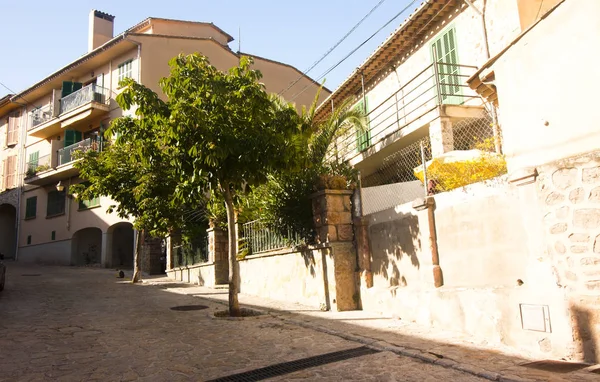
point(395, 245)
point(585, 331)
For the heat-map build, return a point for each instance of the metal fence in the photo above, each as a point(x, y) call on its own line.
point(258, 236)
point(65, 155)
point(192, 253)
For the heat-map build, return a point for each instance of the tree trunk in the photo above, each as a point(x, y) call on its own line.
point(234, 306)
point(137, 258)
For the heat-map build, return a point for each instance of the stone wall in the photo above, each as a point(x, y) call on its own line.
point(151, 254)
point(569, 190)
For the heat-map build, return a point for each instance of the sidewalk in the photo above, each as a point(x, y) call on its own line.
point(452, 350)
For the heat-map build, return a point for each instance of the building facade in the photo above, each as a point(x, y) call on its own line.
point(68, 111)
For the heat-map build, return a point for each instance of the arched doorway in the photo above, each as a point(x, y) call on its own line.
point(8, 230)
point(120, 245)
point(86, 247)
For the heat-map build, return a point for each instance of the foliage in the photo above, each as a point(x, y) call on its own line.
point(450, 175)
point(33, 171)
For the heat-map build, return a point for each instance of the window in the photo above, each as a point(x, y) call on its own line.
point(12, 133)
point(33, 163)
point(53, 235)
point(444, 49)
point(28, 239)
point(56, 203)
point(363, 138)
point(31, 207)
point(125, 70)
point(87, 204)
point(10, 172)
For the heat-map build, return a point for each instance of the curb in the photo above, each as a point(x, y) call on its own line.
point(407, 352)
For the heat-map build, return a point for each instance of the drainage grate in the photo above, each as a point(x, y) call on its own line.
point(555, 366)
point(297, 365)
point(187, 308)
point(31, 274)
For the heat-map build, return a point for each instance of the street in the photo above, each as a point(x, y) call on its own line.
point(85, 324)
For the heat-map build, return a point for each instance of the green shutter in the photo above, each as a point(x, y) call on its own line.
point(56, 203)
point(28, 239)
point(53, 235)
point(67, 88)
point(77, 86)
point(448, 75)
point(363, 138)
point(86, 204)
point(33, 161)
point(31, 207)
point(72, 137)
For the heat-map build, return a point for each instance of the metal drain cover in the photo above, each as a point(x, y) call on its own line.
point(297, 365)
point(187, 308)
point(31, 274)
point(555, 366)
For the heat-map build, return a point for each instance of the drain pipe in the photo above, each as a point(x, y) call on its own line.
point(20, 167)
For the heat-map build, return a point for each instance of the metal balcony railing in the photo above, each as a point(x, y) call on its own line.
point(82, 96)
point(39, 165)
point(40, 115)
point(66, 154)
point(435, 85)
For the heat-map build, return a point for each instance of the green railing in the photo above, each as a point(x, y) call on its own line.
point(192, 253)
point(258, 236)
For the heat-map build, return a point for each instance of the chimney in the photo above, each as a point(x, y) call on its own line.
point(100, 29)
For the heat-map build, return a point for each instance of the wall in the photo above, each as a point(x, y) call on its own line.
point(304, 277)
point(186, 29)
point(547, 88)
point(54, 253)
point(201, 274)
point(489, 244)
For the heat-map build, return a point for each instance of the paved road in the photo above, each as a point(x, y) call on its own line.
point(84, 324)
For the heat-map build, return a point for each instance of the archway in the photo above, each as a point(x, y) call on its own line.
point(120, 245)
point(8, 230)
point(86, 246)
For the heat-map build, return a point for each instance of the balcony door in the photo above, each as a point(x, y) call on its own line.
point(444, 49)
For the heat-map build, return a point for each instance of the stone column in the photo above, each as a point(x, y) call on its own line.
point(441, 136)
point(361, 232)
point(218, 253)
point(106, 250)
point(332, 215)
point(151, 253)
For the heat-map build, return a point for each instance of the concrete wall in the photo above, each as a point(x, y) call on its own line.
point(54, 253)
point(201, 274)
point(488, 241)
point(547, 88)
point(304, 277)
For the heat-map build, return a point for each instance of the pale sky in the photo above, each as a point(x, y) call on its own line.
point(39, 37)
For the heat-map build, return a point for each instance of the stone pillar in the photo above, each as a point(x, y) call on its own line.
point(151, 254)
point(218, 253)
point(428, 203)
point(361, 233)
point(441, 136)
point(170, 252)
point(106, 250)
point(332, 215)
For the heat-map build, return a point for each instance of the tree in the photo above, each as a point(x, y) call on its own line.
point(135, 170)
point(227, 133)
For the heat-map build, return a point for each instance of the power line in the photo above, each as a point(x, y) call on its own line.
point(357, 48)
point(333, 47)
point(12, 92)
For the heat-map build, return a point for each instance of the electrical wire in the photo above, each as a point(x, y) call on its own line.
point(333, 47)
point(355, 49)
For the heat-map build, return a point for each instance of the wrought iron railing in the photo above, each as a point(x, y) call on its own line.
point(258, 236)
point(416, 99)
point(82, 96)
point(40, 115)
point(192, 253)
point(41, 164)
point(66, 154)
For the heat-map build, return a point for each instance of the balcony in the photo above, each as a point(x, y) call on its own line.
point(52, 168)
point(84, 104)
point(436, 91)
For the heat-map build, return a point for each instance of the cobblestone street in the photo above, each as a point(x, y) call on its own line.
point(84, 324)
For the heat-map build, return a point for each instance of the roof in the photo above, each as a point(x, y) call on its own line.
point(109, 44)
point(400, 44)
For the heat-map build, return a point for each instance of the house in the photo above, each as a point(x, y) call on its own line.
point(409, 100)
point(544, 84)
point(68, 111)
point(11, 134)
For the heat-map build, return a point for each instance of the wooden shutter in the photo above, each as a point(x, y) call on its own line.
point(10, 172)
point(363, 138)
point(33, 159)
point(77, 86)
point(31, 207)
point(72, 137)
point(56, 203)
point(449, 80)
point(12, 132)
point(67, 88)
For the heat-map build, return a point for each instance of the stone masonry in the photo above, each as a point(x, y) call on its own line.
point(218, 253)
point(570, 193)
point(332, 214)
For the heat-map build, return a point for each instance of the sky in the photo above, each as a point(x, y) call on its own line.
point(38, 37)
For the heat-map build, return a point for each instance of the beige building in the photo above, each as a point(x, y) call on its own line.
point(68, 111)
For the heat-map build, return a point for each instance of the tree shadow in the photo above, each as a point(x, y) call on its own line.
point(395, 245)
point(584, 332)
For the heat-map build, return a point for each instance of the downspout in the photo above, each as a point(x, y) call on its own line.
point(20, 166)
